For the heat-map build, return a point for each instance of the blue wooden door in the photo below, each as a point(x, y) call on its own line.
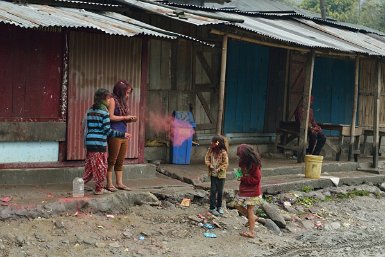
point(246, 87)
point(333, 90)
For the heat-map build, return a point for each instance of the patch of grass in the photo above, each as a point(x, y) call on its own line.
point(307, 201)
point(328, 198)
point(269, 198)
point(352, 194)
point(307, 189)
point(261, 213)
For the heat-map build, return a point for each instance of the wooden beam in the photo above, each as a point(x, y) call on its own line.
point(306, 106)
point(205, 126)
point(286, 93)
point(205, 106)
point(257, 41)
point(355, 106)
point(207, 87)
point(327, 53)
point(376, 115)
point(205, 65)
point(222, 85)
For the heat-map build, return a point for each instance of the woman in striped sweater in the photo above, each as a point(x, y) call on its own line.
point(98, 130)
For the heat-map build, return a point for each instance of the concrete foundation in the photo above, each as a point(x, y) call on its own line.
point(66, 174)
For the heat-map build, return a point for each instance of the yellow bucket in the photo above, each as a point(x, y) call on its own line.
point(313, 165)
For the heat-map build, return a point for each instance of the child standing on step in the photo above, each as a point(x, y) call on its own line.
point(97, 130)
point(217, 161)
point(250, 193)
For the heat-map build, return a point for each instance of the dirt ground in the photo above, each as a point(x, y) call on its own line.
point(346, 221)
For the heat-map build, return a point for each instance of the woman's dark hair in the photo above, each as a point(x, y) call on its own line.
point(221, 143)
point(100, 96)
point(248, 156)
point(120, 90)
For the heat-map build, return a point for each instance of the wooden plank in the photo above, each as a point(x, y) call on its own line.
point(376, 115)
point(207, 87)
point(205, 65)
point(205, 107)
point(205, 126)
point(306, 106)
point(355, 106)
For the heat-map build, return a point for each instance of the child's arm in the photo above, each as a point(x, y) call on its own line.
point(254, 177)
point(107, 128)
point(208, 159)
point(224, 162)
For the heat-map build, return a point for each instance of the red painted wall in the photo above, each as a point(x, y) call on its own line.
point(30, 74)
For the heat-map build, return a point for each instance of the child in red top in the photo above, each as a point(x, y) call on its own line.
point(249, 193)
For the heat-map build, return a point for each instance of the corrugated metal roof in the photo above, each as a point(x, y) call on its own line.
point(372, 43)
point(302, 32)
point(268, 8)
point(124, 18)
point(252, 5)
point(291, 31)
point(181, 15)
point(38, 16)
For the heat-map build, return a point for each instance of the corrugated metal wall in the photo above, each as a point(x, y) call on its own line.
point(98, 61)
point(368, 85)
point(333, 89)
point(246, 87)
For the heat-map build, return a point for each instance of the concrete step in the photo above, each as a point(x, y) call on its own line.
point(284, 183)
point(300, 168)
point(62, 175)
point(196, 173)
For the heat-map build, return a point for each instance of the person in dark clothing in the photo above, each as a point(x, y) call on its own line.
point(316, 137)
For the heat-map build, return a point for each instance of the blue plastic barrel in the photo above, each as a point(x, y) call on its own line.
point(182, 130)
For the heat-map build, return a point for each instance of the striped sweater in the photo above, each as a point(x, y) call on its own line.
point(98, 129)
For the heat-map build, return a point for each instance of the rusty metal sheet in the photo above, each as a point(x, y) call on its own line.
point(205, 18)
point(98, 61)
point(37, 16)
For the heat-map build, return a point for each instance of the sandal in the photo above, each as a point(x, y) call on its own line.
point(103, 191)
point(126, 188)
point(111, 189)
point(247, 234)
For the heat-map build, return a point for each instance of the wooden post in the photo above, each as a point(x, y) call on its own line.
point(355, 105)
point(222, 85)
point(376, 116)
point(285, 112)
point(143, 99)
point(307, 88)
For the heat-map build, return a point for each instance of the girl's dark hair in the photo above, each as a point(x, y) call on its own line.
point(119, 91)
point(248, 156)
point(100, 96)
point(221, 143)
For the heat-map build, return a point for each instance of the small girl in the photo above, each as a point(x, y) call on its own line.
point(98, 129)
point(217, 161)
point(249, 193)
